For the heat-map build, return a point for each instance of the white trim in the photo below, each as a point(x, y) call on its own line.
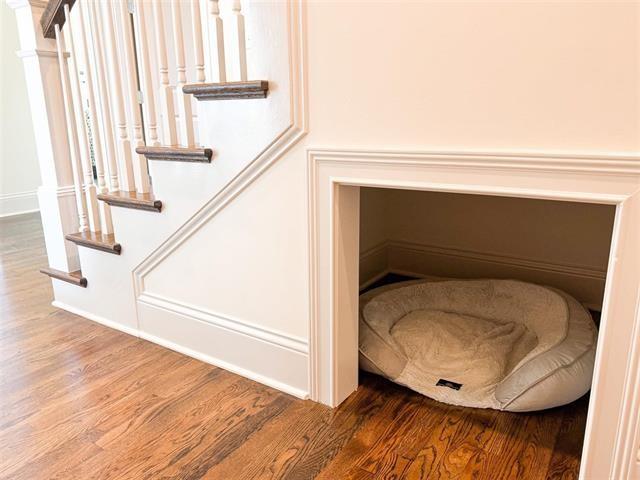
point(224, 346)
point(263, 379)
point(492, 257)
point(39, 53)
point(606, 163)
point(28, 193)
point(280, 145)
point(630, 423)
point(607, 178)
point(513, 261)
point(96, 318)
point(273, 337)
point(199, 355)
point(392, 249)
point(18, 203)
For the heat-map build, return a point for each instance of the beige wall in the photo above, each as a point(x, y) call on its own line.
point(19, 172)
point(563, 244)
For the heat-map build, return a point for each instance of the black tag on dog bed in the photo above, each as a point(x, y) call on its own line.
point(448, 383)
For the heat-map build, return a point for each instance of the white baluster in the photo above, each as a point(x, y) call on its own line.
point(72, 133)
point(149, 94)
point(184, 101)
point(83, 143)
point(237, 58)
point(216, 43)
point(127, 180)
point(197, 40)
point(105, 98)
point(98, 155)
point(166, 92)
point(140, 169)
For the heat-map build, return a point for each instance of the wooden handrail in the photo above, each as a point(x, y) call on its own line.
point(54, 14)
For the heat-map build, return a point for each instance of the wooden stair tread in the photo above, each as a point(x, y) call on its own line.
point(74, 278)
point(95, 240)
point(138, 201)
point(228, 90)
point(177, 154)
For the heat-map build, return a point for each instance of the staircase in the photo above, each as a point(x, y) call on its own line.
point(98, 27)
point(155, 122)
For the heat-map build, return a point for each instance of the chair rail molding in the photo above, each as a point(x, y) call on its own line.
point(334, 178)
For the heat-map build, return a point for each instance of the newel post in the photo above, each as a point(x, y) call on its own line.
point(42, 75)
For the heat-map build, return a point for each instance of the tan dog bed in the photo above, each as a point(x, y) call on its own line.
point(500, 344)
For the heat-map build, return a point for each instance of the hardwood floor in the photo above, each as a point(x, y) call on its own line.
point(82, 401)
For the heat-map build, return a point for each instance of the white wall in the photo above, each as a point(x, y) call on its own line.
point(19, 172)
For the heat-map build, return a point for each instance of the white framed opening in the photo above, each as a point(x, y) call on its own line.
point(335, 178)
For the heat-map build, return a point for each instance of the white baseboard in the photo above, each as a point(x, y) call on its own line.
point(412, 259)
point(367, 282)
point(276, 366)
point(266, 357)
point(374, 264)
point(18, 203)
point(96, 318)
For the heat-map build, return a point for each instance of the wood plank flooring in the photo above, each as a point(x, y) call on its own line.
point(81, 401)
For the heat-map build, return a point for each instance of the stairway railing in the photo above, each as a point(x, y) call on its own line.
point(105, 56)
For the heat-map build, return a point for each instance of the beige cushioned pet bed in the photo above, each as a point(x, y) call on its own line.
point(500, 344)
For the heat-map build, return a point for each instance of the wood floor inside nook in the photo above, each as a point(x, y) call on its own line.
point(82, 401)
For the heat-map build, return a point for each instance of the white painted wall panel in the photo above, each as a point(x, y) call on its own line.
point(250, 262)
point(485, 75)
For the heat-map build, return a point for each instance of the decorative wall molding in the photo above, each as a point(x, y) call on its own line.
point(606, 163)
point(273, 360)
point(286, 372)
point(261, 354)
point(280, 145)
point(334, 176)
point(96, 318)
point(295, 344)
point(399, 253)
point(492, 257)
point(18, 203)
